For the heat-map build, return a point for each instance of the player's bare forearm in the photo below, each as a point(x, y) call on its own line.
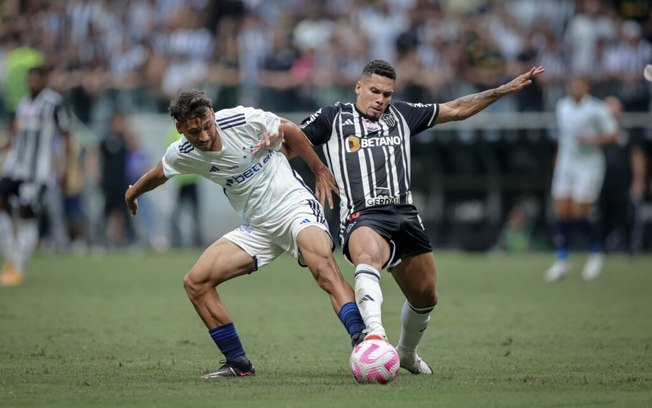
point(296, 144)
point(148, 182)
point(467, 106)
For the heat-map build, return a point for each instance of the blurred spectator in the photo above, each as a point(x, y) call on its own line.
point(114, 182)
point(623, 188)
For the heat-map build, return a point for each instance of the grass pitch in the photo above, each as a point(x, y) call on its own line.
point(118, 331)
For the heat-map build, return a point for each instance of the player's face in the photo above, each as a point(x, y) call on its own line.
point(201, 131)
point(374, 94)
point(578, 87)
point(35, 83)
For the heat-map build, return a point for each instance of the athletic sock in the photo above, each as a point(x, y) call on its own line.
point(369, 296)
point(227, 340)
point(26, 241)
point(6, 235)
point(414, 322)
point(587, 228)
point(562, 232)
point(350, 317)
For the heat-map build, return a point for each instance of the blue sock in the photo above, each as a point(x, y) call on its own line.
point(562, 231)
point(227, 340)
point(350, 317)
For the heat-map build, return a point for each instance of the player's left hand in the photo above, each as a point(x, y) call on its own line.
point(132, 202)
point(325, 186)
point(523, 80)
point(270, 141)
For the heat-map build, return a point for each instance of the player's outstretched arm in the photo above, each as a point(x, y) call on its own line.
point(149, 181)
point(296, 144)
point(469, 105)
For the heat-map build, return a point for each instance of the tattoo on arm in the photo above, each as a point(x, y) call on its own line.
point(477, 101)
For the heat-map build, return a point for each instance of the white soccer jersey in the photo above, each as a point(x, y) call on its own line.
point(590, 118)
point(39, 121)
point(263, 188)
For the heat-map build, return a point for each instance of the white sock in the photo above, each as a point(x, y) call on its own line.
point(414, 322)
point(368, 296)
point(6, 235)
point(26, 241)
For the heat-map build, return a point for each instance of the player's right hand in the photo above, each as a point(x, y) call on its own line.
point(325, 185)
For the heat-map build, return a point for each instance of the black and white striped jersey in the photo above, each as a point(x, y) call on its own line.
point(39, 121)
point(370, 159)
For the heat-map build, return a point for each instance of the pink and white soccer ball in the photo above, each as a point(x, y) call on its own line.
point(374, 361)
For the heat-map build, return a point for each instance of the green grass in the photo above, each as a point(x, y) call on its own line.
point(118, 331)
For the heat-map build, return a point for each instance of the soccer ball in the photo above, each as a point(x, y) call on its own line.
point(374, 361)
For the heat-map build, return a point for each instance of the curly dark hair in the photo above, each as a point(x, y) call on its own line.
point(189, 104)
point(379, 67)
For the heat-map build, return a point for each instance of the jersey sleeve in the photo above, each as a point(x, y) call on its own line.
point(319, 126)
point(262, 121)
point(419, 116)
point(174, 161)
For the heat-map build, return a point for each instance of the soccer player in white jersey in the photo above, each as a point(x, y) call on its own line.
point(41, 117)
point(239, 149)
point(367, 146)
point(584, 123)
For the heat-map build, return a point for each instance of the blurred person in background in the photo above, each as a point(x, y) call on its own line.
point(624, 188)
point(366, 145)
point(41, 116)
point(113, 153)
point(584, 125)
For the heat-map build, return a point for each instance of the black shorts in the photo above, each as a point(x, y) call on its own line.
point(26, 194)
point(400, 225)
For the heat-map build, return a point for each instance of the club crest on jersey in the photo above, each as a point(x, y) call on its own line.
point(389, 119)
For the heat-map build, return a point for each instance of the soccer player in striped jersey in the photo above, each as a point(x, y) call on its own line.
point(366, 145)
point(40, 117)
point(240, 149)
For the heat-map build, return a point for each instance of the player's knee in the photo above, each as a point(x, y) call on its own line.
point(194, 287)
point(425, 299)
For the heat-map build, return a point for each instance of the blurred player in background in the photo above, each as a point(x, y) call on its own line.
point(623, 188)
point(40, 117)
point(367, 147)
point(584, 124)
point(239, 150)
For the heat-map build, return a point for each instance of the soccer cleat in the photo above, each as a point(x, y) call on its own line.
point(412, 362)
point(593, 266)
point(230, 370)
point(10, 276)
point(376, 334)
point(557, 271)
point(357, 338)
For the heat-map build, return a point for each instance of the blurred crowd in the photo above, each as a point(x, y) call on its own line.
point(110, 57)
point(296, 55)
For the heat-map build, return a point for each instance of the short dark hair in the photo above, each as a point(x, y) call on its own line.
point(379, 67)
point(40, 70)
point(189, 104)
